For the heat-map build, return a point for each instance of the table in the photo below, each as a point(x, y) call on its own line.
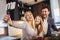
point(9, 38)
point(55, 36)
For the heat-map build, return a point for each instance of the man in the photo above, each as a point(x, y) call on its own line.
point(48, 22)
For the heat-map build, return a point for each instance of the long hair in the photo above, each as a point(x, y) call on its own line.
point(40, 26)
point(33, 22)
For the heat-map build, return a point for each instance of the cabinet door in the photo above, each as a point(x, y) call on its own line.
point(3, 31)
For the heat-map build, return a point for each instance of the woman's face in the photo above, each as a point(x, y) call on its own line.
point(29, 16)
point(37, 20)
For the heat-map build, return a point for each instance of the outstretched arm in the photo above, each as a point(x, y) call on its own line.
point(53, 25)
point(7, 19)
point(14, 24)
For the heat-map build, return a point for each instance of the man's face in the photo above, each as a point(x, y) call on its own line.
point(45, 13)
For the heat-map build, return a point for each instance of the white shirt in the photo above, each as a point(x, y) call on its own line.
point(45, 26)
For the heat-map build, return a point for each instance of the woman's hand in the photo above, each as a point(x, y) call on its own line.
point(7, 19)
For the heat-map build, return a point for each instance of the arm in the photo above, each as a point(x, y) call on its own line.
point(19, 25)
point(53, 25)
point(8, 20)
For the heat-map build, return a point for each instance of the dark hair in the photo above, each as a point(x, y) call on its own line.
point(45, 7)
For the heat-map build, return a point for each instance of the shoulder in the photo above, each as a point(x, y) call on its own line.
point(50, 18)
point(26, 24)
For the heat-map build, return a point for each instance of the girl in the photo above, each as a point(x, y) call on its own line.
point(39, 26)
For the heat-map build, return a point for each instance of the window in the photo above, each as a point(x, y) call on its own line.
point(55, 9)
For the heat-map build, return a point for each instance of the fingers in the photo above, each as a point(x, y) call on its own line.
point(6, 18)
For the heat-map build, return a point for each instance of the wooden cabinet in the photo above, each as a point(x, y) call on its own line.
point(37, 7)
point(3, 31)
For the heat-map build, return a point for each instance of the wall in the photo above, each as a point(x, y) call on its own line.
point(37, 7)
point(2, 8)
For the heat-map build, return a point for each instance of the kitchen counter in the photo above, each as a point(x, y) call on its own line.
point(9, 38)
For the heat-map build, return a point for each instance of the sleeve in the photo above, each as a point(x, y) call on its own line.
point(53, 25)
point(19, 25)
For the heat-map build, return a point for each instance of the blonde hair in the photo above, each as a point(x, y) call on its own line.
point(33, 22)
point(40, 26)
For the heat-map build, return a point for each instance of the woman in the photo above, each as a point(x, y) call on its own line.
point(28, 26)
point(39, 26)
